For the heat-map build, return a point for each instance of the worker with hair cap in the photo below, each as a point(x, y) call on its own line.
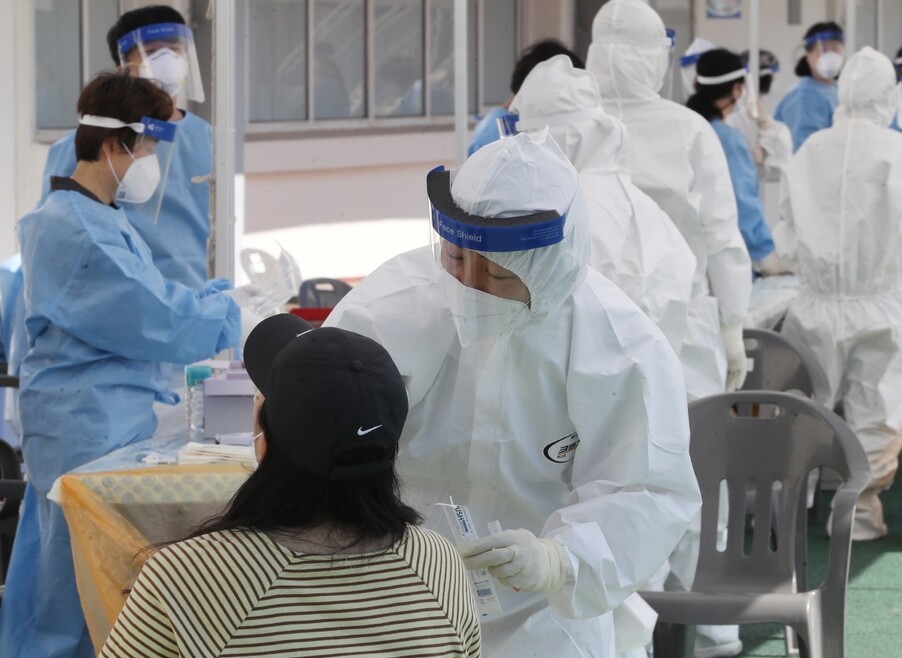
point(841, 203)
point(541, 398)
point(678, 161)
point(634, 243)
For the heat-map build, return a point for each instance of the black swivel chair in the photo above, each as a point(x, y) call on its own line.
point(322, 293)
point(12, 486)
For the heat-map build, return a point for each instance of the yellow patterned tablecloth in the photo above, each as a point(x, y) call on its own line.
point(115, 518)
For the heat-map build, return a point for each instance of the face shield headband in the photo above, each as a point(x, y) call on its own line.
point(496, 234)
point(167, 55)
point(142, 189)
point(827, 35)
point(720, 79)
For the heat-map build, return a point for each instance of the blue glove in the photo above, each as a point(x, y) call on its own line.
point(214, 286)
point(231, 331)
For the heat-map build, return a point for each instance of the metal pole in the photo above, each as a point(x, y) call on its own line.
point(460, 80)
point(228, 188)
point(754, 47)
point(851, 30)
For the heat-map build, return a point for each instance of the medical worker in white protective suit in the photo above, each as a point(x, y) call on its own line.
point(678, 161)
point(842, 233)
point(541, 397)
point(634, 243)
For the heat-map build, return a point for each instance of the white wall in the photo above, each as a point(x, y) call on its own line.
point(341, 179)
point(28, 156)
point(7, 137)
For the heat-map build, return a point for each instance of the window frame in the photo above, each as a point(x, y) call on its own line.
point(93, 25)
point(372, 124)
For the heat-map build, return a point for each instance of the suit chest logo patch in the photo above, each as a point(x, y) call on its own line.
point(562, 450)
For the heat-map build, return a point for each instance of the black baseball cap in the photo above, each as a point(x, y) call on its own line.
point(335, 401)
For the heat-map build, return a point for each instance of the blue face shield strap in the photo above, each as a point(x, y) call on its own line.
point(507, 125)
point(830, 35)
point(466, 231)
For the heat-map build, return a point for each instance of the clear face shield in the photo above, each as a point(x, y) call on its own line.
point(667, 89)
point(486, 300)
point(164, 52)
point(141, 189)
point(826, 53)
point(507, 125)
point(687, 72)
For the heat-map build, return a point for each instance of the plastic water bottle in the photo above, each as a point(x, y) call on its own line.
point(194, 396)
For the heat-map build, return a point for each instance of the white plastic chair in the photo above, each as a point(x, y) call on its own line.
point(753, 580)
point(778, 363)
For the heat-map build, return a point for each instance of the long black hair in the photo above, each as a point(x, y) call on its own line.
point(281, 496)
point(713, 63)
point(803, 69)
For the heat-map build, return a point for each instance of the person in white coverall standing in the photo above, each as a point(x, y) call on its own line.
point(678, 161)
point(842, 233)
point(541, 397)
point(634, 243)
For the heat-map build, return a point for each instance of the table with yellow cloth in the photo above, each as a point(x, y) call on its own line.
point(118, 507)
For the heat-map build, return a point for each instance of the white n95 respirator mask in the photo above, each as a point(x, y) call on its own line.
point(479, 315)
point(140, 180)
point(829, 64)
point(168, 68)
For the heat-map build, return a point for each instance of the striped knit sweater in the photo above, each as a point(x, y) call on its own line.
point(242, 594)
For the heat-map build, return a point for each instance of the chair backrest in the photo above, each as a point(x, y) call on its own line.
point(322, 293)
point(12, 487)
point(778, 363)
point(770, 451)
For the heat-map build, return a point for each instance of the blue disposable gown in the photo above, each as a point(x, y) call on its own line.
point(10, 284)
point(12, 312)
point(178, 241)
point(752, 224)
point(807, 108)
point(99, 320)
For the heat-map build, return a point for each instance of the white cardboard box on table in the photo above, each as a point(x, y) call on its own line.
point(228, 403)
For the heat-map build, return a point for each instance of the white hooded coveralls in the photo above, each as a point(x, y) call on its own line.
point(634, 243)
point(572, 424)
point(842, 233)
point(678, 161)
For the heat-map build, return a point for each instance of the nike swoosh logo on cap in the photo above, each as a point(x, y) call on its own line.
point(363, 432)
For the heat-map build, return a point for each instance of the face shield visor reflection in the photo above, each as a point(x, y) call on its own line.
point(507, 125)
point(485, 298)
point(155, 143)
point(164, 52)
point(829, 52)
point(667, 89)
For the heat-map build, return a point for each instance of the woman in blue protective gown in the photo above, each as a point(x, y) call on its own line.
point(719, 84)
point(99, 318)
point(808, 107)
point(178, 239)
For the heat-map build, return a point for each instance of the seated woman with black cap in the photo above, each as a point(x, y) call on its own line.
point(315, 554)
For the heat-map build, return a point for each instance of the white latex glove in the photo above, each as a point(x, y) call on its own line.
point(770, 265)
point(760, 115)
point(247, 298)
point(519, 559)
point(737, 362)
